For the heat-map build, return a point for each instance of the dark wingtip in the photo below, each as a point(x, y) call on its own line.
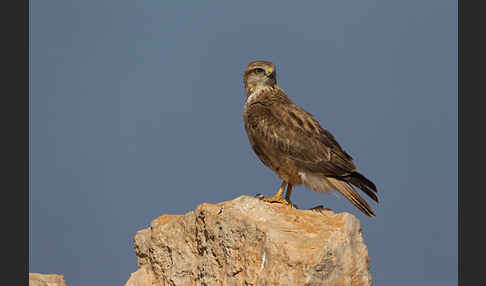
point(367, 182)
point(364, 185)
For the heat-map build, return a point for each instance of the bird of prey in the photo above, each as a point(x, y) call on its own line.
point(291, 142)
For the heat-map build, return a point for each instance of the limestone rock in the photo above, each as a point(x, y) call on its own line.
point(249, 242)
point(37, 279)
point(142, 277)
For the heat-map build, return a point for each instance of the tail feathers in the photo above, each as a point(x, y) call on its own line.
point(363, 184)
point(324, 184)
point(352, 195)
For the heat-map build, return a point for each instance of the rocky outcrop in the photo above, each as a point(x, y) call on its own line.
point(249, 242)
point(37, 279)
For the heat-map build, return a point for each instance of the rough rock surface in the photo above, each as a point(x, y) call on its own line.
point(37, 279)
point(249, 242)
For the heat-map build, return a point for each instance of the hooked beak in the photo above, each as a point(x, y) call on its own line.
point(270, 72)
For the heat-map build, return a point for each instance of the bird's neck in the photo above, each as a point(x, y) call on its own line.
point(255, 92)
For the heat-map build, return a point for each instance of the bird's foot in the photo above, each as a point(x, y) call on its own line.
point(320, 209)
point(275, 199)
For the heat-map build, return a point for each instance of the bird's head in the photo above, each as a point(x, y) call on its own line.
point(260, 73)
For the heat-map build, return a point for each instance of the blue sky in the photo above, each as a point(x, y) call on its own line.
point(136, 111)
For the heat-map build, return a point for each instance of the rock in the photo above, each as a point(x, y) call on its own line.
point(37, 279)
point(250, 242)
point(142, 277)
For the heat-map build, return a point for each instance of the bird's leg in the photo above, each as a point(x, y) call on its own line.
point(289, 192)
point(277, 198)
point(287, 195)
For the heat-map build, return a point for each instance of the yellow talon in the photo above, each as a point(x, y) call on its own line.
point(277, 198)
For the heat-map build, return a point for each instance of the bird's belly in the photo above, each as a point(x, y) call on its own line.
point(289, 173)
point(284, 167)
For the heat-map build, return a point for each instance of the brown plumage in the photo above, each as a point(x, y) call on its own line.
point(291, 142)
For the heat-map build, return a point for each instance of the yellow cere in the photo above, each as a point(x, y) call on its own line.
point(270, 70)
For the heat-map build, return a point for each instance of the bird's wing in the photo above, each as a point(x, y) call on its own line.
point(296, 134)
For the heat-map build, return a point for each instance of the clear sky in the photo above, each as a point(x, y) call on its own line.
point(136, 111)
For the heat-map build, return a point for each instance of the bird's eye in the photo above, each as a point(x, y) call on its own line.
point(259, 70)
